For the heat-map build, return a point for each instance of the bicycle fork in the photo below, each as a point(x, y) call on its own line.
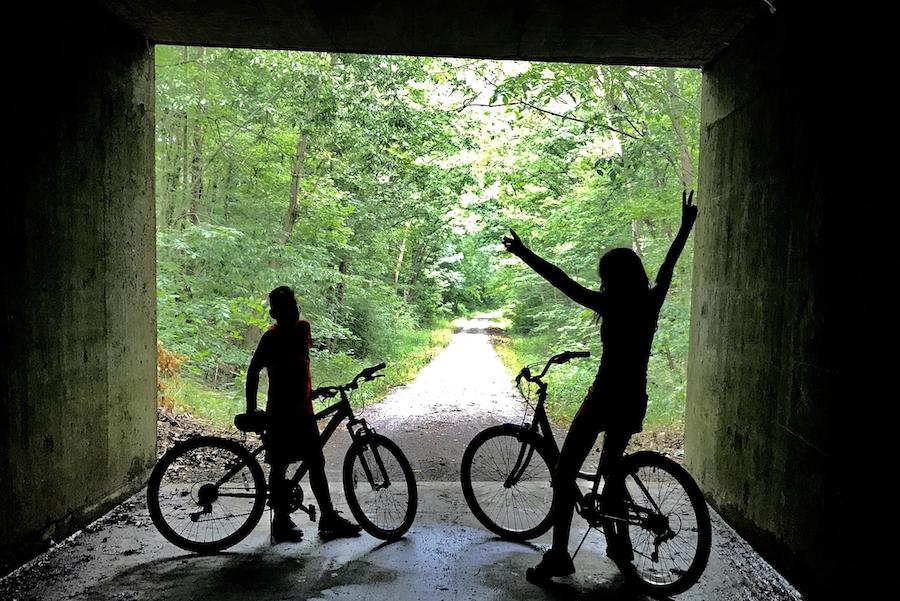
point(366, 435)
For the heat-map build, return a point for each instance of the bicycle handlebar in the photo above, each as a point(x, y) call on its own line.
point(367, 375)
point(559, 359)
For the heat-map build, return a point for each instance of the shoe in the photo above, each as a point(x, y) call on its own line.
point(286, 531)
point(552, 564)
point(334, 526)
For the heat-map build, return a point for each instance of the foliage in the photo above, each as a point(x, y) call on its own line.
point(379, 186)
point(597, 159)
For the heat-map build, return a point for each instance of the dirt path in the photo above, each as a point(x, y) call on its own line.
point(462, 391)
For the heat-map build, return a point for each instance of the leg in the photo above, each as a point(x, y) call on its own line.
point(278, 499)
point(578, 443)
point(283, 528)
point(318, 482)
point(575, 449)
point(315, 463)
point(330, 523)
point(614, 444)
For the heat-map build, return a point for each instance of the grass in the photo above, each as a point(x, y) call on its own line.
point(412, 350)
point(568, 383)
point(189, 395)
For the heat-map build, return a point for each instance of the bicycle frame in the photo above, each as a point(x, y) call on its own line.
point(540, 426)
point(341, 410)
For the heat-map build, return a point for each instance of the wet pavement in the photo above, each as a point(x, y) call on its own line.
point(445, 555)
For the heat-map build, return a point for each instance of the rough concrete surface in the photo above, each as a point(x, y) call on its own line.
point(781, 395)
point(78, 390)
point(680, 32)
point(446, 554)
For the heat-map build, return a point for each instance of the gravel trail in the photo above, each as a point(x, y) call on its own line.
point(463, 390)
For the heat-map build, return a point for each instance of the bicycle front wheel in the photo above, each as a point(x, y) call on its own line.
point(668, 528)
point(506, 478)
point(206, 494)
point(380, 487)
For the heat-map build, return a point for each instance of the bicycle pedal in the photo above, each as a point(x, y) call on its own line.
point(312, 512)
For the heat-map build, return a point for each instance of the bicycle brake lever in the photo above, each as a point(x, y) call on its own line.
point(524, 373)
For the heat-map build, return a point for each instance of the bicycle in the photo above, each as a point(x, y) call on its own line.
point(660, 514)
point(208, 493)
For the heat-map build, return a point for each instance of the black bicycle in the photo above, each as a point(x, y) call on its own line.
point(208, 493)
point(658, 511)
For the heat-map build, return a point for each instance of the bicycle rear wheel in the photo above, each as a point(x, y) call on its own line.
point(206, 494)
point(668, 530)
point(506, 479)
point(380, 487)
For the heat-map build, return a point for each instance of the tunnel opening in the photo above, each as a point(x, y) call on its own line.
point(380, 186)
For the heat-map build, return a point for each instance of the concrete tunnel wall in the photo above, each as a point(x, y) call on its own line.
point(781, 319)
point(78, 417)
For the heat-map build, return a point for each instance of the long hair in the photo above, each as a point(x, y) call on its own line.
point(622, 272)
point(622, 276)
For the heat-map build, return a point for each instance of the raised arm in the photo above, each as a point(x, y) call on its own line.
point(553, 274)
point(256, 365)
point(688, 217)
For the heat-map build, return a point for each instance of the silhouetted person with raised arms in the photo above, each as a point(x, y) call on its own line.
point(292, 433)
point(617, 401)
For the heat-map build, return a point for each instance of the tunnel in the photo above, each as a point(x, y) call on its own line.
point(780, 384)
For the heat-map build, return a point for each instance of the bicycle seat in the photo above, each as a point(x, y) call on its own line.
point(251, 422)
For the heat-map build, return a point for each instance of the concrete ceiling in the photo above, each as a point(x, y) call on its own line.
point(650, 32)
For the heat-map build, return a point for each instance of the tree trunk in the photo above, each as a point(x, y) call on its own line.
point(197, 157)
point(400, 255)
point(291, 216)
point(338, 300)
point(419, 264)
point(185, 163)
point(635, 237)
point(196, 174)
point(170, 165)
point(676, 115)
point(226, 192)
point(671, 360)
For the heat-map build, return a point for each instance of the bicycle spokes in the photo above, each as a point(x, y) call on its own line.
point(206, 498)
point(510, 484)
point(662, 525)
point(523, 461)
point(380, 488)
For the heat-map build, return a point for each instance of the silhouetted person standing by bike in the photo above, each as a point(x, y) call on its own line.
point(292, 433)
point(616, 402)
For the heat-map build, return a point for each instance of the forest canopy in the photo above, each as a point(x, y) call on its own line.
point(379, 187)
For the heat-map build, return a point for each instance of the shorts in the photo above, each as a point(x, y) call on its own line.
point(612, 409)
point(288, 441)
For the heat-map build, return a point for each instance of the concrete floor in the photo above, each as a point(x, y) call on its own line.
point(446, 555)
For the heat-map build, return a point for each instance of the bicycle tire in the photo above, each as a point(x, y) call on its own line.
point(502, 444)
point(171, 503)
point(656, 577)
point(371, 507)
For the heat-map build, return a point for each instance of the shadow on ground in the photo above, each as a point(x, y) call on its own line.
point(276, 573)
